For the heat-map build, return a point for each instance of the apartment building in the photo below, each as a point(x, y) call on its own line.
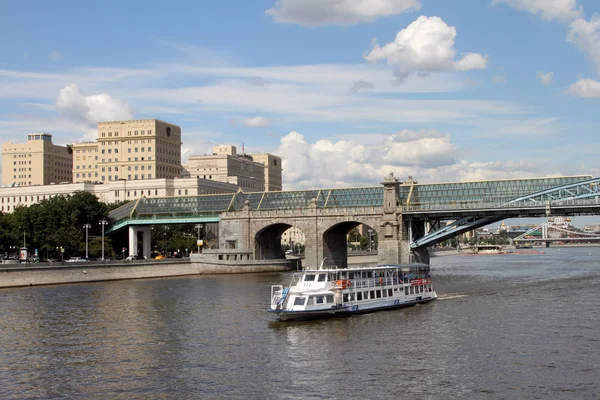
point(272, 170)
point(36, 162)
point(225, 165)
point(130, 150)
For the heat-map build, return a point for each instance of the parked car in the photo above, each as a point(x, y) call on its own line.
point(77, 259)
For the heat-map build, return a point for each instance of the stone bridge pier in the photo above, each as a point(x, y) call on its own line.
point(325, 230)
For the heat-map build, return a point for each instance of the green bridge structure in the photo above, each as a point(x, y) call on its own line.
point(407, 217)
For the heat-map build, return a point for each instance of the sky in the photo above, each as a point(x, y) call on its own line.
point(345, 91)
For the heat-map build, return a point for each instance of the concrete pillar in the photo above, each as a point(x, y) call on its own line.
point(133, 240)
point(147, 242)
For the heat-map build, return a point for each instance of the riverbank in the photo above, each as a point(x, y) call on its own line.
point(18, 275)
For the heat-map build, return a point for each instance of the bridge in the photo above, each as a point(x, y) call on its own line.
point(407, 217)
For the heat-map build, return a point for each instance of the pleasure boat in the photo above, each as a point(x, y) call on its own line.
point(334, 292)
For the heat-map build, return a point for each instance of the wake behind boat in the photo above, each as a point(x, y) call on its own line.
point(333, 292)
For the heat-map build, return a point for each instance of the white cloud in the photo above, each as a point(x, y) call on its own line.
point(585, 35)
point(424, 149)
point(337, 12)
point(92, 109)
point(425, 46)
point(429, 156)
point(257, 122)
point(586, 88)
point(546, 78)
point(561, 10)
point(55, 56)
point(499, 79)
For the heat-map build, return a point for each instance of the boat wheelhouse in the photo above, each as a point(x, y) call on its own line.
point(333, 292)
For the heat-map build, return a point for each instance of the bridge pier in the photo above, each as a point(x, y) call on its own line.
point(134, 232)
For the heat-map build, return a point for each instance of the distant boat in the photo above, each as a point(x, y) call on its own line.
point(481, 249)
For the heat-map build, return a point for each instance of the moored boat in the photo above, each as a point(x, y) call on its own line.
point(322, 293)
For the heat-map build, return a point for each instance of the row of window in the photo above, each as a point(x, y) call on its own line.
point(135, 133)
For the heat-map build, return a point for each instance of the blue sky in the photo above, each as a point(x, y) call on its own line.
point(344, 90)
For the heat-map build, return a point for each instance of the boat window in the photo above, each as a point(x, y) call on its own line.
point(359, 296)
point(352, 297)
point(421, 288)
point(321, 278)
point(329, 298)
point(390, 292)
point(406, 291)
point(372, 294)
point(345, 297)
point(319, 299)
point(384, 293)
point(379, 294)
point(299, 301)
point(309, 278)
point(412, 290)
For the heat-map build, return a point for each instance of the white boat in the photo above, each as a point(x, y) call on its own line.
point(322, 293)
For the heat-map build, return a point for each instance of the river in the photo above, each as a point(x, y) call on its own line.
point(505, 326)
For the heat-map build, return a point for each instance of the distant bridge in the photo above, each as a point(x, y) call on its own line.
point(407, 217)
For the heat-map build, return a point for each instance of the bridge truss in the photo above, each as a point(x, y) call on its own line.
point(542, 233)
point(575, 198)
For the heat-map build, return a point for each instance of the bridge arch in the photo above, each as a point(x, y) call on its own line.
point(267, 239)
point(335, 242)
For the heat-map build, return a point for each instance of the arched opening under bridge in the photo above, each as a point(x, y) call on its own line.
point(347, 236)
point(273, 241)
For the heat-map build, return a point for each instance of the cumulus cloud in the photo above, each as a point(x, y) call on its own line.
point(561, 10)
point(90, 110)
point(423, 47)
point(546, 78)
point(256, 122)
point(585, 35)
point(586, 88)
point(428, 149)
point(337, 12)
point(328, 163)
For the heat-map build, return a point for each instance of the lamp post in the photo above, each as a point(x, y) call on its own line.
point(103, 222)
point(62, 252)
point(370, 232)
point(198, 226)
point(166, 241)
point(356, 240)
point(86, 227)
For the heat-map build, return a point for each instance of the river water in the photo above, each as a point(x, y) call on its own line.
point(505, 326)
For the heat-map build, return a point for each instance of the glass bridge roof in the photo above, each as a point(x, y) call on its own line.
point(411, 196)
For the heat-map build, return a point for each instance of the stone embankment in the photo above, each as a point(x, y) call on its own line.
point(16, 275)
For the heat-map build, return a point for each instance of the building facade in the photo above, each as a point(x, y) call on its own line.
point(273, 170)
point(36, 162)
point(225, 165)
point(130, 150)
point(110, 192)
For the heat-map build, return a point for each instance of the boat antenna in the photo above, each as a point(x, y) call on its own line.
point(322, 262)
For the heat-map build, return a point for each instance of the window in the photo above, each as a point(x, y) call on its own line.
point(321, 277)
point(319, 299)
point(359, 296)
point(309, 278)
point(299, 301)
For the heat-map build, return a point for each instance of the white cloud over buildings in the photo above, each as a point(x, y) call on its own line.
point(257, 122)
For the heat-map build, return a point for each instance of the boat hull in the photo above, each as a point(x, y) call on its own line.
point(342, 311)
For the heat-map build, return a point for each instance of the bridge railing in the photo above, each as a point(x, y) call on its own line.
point(300, 212)
point(490, 205)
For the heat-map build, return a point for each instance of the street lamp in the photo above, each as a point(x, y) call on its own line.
point(103, 222)
point(370, 232)
point(166, 242)
point(198, 226)
point(62, 252)
point(86, 227)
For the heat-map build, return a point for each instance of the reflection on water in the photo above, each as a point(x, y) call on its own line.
point(505, 326)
